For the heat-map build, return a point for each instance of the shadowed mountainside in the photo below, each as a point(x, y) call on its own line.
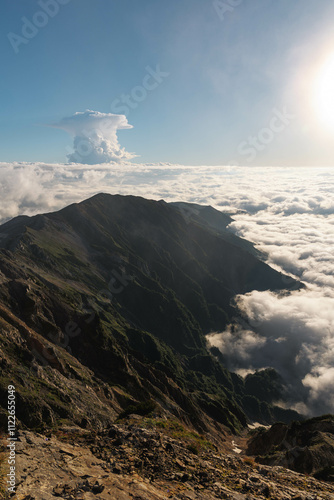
point(105, 306)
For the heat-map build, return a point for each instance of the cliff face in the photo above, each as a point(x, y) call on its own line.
point(105, 305)
point(306, 447)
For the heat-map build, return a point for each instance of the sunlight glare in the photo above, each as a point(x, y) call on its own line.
point(324, 93)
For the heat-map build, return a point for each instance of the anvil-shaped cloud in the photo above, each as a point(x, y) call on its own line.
point(95, 137)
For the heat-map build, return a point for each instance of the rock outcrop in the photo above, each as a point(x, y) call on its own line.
point(306, 447)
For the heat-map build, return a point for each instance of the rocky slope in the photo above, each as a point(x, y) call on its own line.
point(148, 459)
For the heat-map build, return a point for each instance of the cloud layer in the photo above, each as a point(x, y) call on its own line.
point(287, 212)
point(95, 137)
point(294, 335)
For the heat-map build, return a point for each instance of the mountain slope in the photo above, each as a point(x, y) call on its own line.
point(116, 295)
point(216, 221)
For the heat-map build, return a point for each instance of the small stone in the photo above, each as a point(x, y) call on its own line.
point(179, 464)
point(117, 469)
point(254, 479)
point(57, 491)
point(98, 487)
point(265, 491)
point(112, 433)
point(169, 447)
point(118, 442)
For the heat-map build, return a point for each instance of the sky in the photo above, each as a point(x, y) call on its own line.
point(221, 102)
point(211, 82)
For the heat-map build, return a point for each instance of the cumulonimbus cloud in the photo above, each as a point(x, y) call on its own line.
point(95, 138)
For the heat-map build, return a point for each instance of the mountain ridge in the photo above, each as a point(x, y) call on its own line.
point(120, 292)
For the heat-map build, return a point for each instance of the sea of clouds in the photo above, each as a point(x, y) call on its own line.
point(287, 212)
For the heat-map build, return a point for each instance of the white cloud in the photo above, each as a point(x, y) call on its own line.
point(22, 190)
point(294, 335)
point(321, 384)
point(95, 137)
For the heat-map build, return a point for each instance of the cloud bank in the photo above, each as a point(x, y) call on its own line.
point(95, 137)
point(287, 212)
point(294, 335)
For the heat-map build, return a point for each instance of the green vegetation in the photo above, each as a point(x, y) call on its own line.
point(264, 385)
point(144, 408)
point(193, 441)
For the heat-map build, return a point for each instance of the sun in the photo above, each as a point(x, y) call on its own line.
point(324, 93)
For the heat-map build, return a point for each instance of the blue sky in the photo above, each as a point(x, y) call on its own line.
point(226, 76)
